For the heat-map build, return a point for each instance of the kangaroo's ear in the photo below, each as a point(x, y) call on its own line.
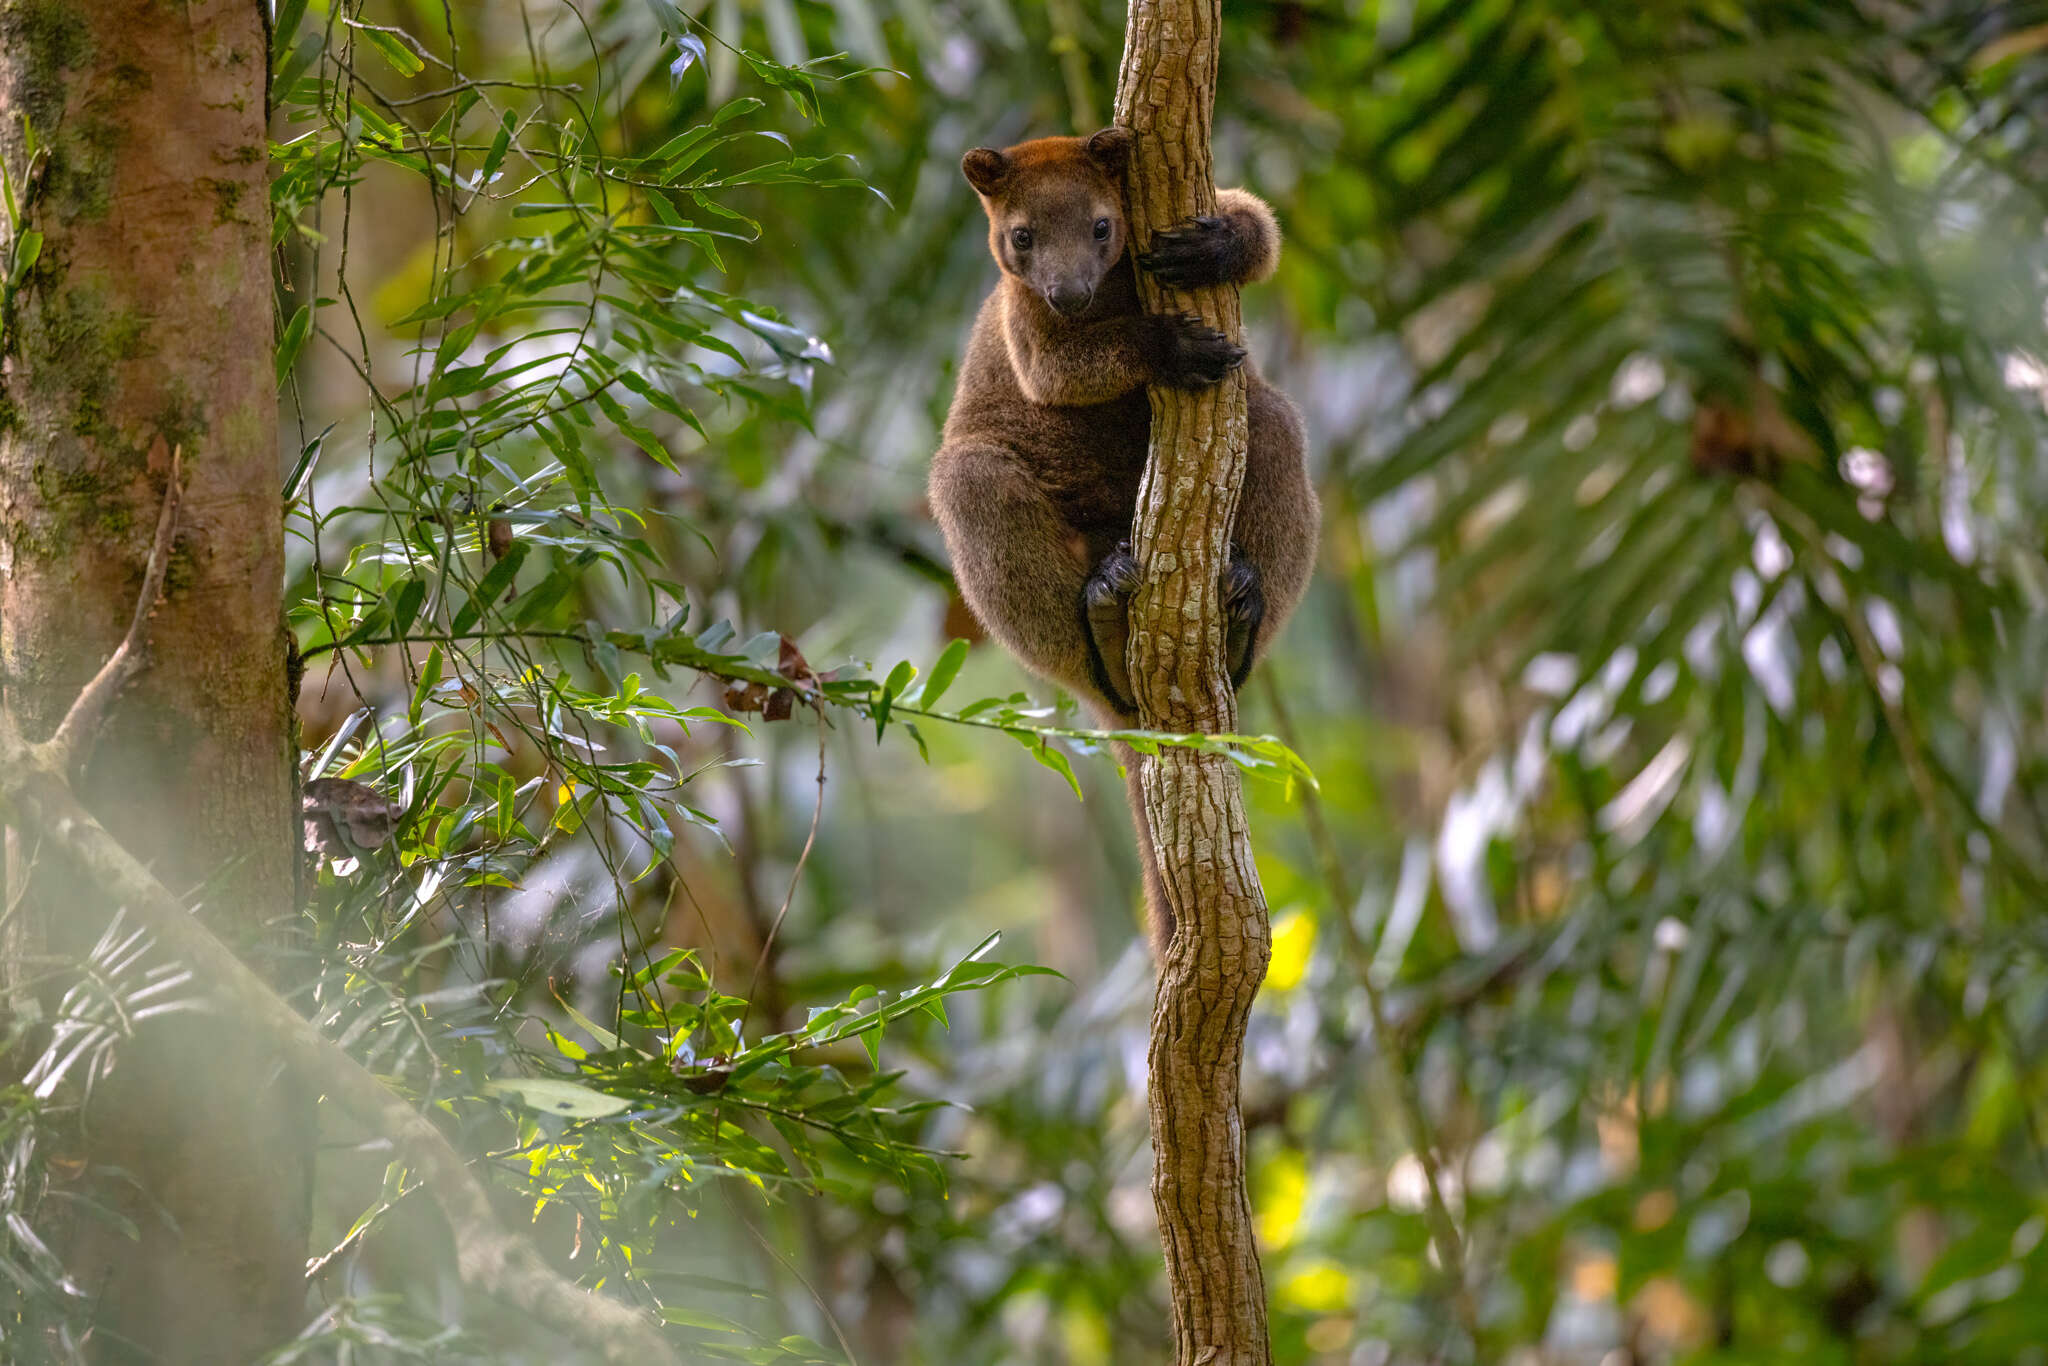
point(1110, 149)
point(985, 169)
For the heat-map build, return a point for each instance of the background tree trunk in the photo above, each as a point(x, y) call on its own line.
point(1218, 957)
point(135, 142)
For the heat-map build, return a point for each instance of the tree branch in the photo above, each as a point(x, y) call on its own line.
point(491, 1260)
point(1211, 971)
point(35, 795)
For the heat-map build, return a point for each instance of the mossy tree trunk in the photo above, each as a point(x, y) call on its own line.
point(134, 139)
point(1212, 971)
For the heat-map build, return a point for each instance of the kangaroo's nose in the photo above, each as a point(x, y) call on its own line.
point(1070, 299)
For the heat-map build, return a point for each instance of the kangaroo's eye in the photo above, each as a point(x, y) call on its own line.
point(1020, 238)
point(1102, 229)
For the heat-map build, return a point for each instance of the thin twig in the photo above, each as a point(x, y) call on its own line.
point(775, 1255)
point(795, 878)
point(68, 746)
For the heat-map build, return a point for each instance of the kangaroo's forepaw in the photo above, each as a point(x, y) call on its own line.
point(1187, 353)
point(1201, 251)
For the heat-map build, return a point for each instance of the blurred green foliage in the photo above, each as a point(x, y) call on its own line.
point(1673, 686)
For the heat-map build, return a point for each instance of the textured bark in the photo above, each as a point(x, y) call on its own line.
point(1212, 970)
point(145, 327)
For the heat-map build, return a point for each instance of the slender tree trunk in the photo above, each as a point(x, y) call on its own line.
point(1218, 957)
point(133, 134)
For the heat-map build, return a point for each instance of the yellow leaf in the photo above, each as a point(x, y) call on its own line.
point(1294, 943)
point(1319, 1287)
point(1283, 1182)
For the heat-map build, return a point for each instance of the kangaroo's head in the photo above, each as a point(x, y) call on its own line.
point(1055, 212)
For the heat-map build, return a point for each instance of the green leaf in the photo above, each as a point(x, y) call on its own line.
point(285, 23)
point(490, 588)
point(430, 676)
point(390, 45)
point(944, 670)
point(634, 432)
point(293, 341)
point(606, 1039)
point(27, 248)
point(558, 1097)
point(899, 678)
point(507, 807)
point(501, 143)
point(669, 156)
point(538, 601)
point(405, 602)
point(1051, 756)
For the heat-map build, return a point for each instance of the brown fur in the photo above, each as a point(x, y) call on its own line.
point(1037, 478)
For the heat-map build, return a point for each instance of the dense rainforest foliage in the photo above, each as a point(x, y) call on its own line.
point(1649, 795)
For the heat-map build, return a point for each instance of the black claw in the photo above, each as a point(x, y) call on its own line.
point(1104, 600)
point(1115, 578)
point(1195, 355)
point(1243, 594)
point(1201, 251)
point(1244, 611)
